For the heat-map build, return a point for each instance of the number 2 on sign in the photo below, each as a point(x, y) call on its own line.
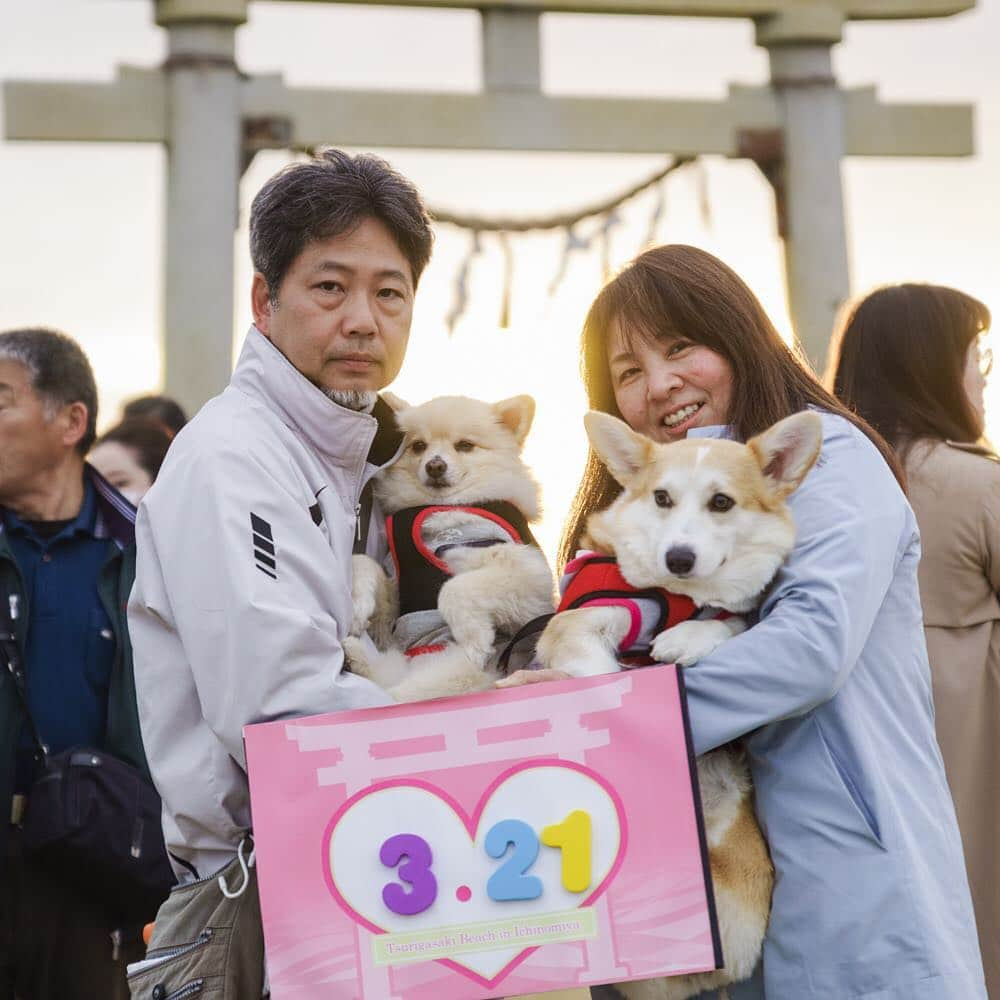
point(510, 882)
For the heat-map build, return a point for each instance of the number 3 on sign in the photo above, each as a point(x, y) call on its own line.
point(510, 882)
point(416, 872)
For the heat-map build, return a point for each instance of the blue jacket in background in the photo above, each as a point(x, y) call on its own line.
point(833, 687)
point(116, 523)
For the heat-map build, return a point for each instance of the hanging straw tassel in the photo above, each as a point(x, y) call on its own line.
point(610, 221)
point(704, 202)
point(659, 209)
point(461, 298)
point(508, 280)
point(572, 242)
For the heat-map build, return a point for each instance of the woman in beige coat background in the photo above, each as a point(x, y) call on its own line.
point(910, 360)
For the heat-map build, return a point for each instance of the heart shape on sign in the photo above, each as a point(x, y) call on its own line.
point(450, 888)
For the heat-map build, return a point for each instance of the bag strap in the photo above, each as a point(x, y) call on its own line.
point(535, 627)
point(11, 653)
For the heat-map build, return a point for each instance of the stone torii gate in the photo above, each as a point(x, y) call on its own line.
point(213, 119)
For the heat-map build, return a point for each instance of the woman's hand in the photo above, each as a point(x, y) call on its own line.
point(520, 677)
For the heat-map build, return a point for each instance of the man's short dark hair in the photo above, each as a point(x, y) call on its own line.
point(59, 371)
point(329, 196)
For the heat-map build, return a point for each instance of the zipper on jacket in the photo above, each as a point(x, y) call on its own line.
point(17, 599)
point(357, 521)
point(182, 949)
point(188, 990)
point(135, 848)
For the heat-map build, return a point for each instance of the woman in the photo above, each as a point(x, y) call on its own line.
point(830, 690)
point(910, 360)
point(129, 456)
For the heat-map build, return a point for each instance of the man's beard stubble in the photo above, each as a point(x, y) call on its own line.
point(361, 400)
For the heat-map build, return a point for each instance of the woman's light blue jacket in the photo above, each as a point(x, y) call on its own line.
point(833, 687)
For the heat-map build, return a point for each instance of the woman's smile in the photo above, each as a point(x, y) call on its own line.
point(664, 386)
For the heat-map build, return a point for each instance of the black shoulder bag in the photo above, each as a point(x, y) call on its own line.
point(93, 819)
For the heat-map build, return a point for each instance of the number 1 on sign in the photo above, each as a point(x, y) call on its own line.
point(573, 837)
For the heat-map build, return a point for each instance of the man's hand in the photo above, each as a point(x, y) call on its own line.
point(520, 677)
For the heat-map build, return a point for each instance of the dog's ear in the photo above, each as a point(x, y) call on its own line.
point(620, 448)
point(394, 402)
point(788, 450)
point(516, 415)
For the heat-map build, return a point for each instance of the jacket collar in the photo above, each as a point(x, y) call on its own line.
point(713, 431)
point(115, 515)
point(341, 435)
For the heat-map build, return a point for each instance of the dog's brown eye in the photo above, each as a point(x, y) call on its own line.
point(720, 503)
point(662, 498)
point(418, 447)
point(464, 445)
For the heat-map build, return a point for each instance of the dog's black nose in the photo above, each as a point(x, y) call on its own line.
point(436, 467)
point(680, 560)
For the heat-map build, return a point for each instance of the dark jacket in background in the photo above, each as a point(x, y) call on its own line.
point(116, 522)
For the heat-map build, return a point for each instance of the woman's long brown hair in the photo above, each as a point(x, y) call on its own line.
point(899, 362)
point(681, 291)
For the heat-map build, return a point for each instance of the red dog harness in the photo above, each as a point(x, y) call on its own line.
point(594, 580)
point(421, 572)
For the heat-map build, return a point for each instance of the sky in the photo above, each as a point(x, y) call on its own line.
point(83, 224)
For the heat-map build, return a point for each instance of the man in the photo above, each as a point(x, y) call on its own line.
point(66, 566)
point(243, 588)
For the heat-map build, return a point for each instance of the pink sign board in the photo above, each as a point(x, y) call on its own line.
point(496, 844)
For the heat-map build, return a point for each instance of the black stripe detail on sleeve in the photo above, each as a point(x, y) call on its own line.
point(263, 546)
point(261, 526)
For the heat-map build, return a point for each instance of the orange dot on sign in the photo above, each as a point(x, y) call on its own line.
point(463, 894)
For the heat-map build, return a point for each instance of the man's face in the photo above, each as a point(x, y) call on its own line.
point(33, 442)
point(343, 311)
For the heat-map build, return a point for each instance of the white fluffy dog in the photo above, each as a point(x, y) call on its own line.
point(707, 519)
point(466, 571)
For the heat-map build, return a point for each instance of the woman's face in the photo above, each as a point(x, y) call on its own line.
point(665, 387)
point(978, 362)
point(120, 466)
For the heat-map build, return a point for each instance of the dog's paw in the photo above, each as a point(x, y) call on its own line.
point(688, 642)
point(366, 581)
point(356, 656)
point(471, 627)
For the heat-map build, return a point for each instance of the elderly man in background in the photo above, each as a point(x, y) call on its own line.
point(66, 566)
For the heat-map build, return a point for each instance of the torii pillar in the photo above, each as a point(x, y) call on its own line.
point(811, 218)
point(204, 149)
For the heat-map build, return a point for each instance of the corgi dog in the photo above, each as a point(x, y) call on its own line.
point(705, 519)
point(467, 573)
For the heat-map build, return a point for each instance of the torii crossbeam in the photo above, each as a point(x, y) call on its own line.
point(213, 119)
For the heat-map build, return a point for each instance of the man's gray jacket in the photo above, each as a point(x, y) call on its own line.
point(243, 588)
